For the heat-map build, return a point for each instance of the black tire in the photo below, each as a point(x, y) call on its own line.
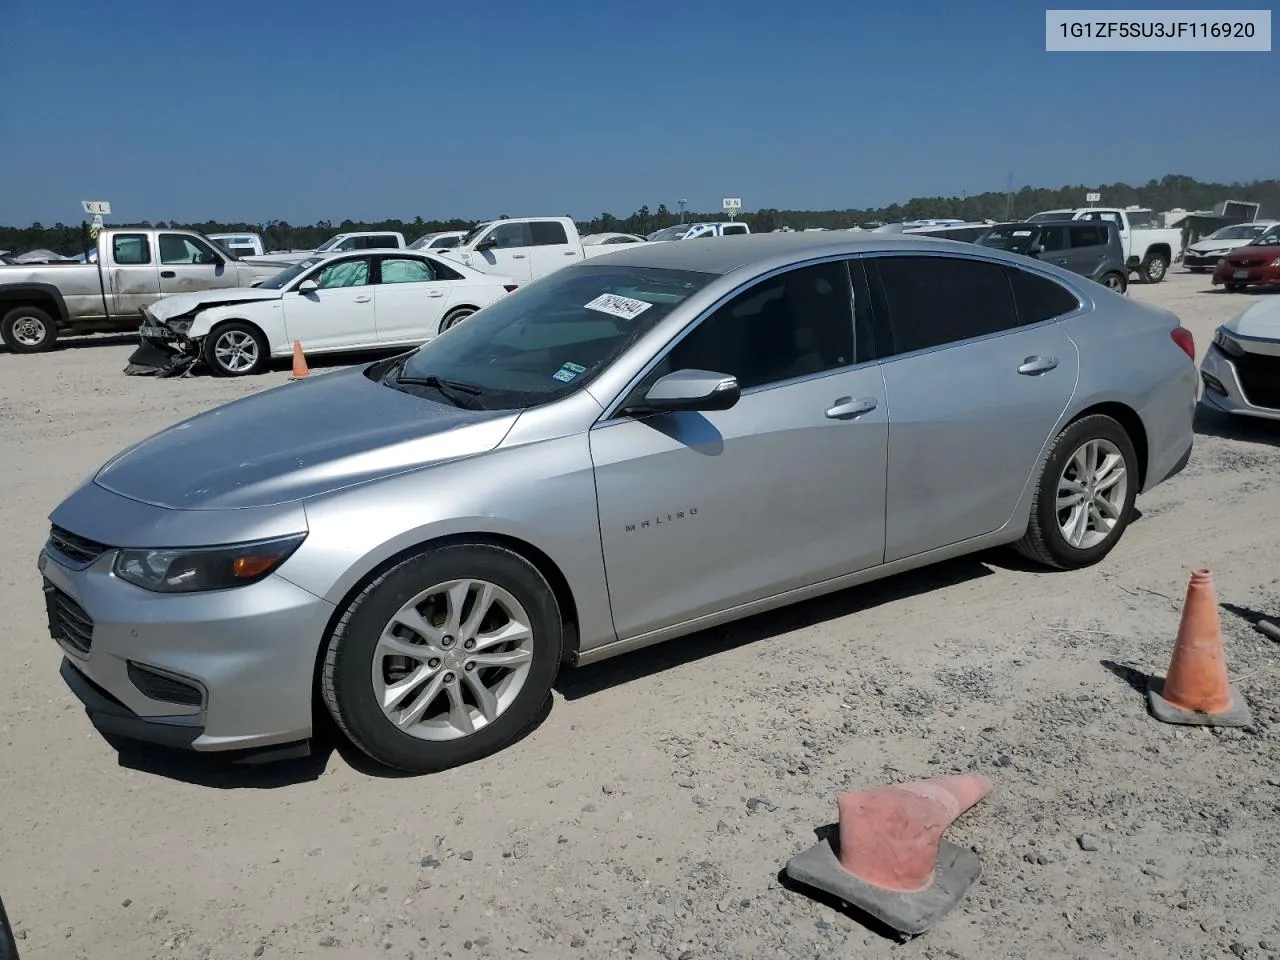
point(346, 685)
point(455, 317)
point(1114, 281)
point(1234, 287)
point(1154, 268)
point(28, 329)
point(238, 329)
point(1044, 541)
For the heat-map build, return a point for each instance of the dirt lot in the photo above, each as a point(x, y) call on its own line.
point(650, 813)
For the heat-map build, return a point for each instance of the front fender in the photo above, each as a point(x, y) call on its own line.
point(539, 494)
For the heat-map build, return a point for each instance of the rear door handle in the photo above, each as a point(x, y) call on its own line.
point(1033, 366)
point(363, 299)
point(571, 253)
point(167, 274)
point(435, 293)
point(847, 408)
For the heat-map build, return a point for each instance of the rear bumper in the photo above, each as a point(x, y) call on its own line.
point(1252, 276)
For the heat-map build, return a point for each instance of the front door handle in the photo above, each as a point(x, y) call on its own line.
point(847, 408)
point(517, 256)
point(435, 293)
point(571, 253)
point(1033, 366)
point(363, 299)
point(167, 274)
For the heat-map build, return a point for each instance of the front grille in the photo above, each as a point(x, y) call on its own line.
point(69, 621)
point(1259, 377)
point(161, 686)
point(78, 549)
point(1244, 262)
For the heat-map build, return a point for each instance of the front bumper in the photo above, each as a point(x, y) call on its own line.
point(1246, 386)
point(227, 670)
point(1201, 260)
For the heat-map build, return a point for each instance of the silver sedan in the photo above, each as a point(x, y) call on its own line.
point(626, 451)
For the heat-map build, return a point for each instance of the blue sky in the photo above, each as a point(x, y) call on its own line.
point(313, 109)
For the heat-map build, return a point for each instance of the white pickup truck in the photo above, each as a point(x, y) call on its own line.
point(524, 249)
point(1148, 248)
point(696, 231)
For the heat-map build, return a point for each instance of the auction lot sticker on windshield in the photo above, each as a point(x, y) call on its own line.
point(617, 306)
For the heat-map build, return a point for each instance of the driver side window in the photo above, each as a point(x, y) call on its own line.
point(796, 324)
point(348, 273)
point(506, 235)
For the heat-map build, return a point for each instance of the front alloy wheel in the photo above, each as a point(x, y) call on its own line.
point(236, 349)
point(445, 658)
point(452, 659)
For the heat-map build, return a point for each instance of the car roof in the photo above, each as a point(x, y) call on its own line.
point(724, 255)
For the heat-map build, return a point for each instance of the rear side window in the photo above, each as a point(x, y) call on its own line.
point(1038, 298)
point(130, 249)
point(1088, 235)
point(547, 233)
point(731, 228)
point(933, 301)
point(1053, 239)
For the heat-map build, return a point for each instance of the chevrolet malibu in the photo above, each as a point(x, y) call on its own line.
point(626, 451)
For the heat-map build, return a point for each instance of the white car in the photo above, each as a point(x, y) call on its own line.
point(444, 240)
point(360, 300)
point(1241, 368)
point(1203, 255)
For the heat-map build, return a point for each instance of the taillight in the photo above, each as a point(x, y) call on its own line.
point(1183, 338)
point(510, 287)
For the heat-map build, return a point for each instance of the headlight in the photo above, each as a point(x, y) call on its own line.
point(1226, 344)
point(193, 569)
point(180, 326)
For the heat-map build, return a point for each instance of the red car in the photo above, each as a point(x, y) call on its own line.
point(1253, 265)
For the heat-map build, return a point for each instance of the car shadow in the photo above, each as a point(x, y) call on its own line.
point(262, 771)
point(1213, 423)
point(627, 668)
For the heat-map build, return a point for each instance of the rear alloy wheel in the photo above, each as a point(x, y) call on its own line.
point(455, 317)
point(1115, 281)
point(1154, 268)
point(28, 330)
point(236, 349)
point(1084, 497)
point(445, 658)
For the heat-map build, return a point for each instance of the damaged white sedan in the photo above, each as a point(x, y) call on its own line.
point(363, 300)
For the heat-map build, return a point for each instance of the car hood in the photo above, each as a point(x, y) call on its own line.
point(178, 304)
point(1260, 320)
point(1215, 246)
point(296, 441)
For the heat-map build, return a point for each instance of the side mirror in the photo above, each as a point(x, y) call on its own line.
point(689, 390)
point(308, 286)
point(1035, 250)
point(488, 243)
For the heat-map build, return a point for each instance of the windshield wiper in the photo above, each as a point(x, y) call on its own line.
point(459, 393)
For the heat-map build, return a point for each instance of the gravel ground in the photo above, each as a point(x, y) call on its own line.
point(651, 811)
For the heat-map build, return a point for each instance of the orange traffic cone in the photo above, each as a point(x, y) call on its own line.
point(890, 860)
point(1195, 690)
point(300, 368)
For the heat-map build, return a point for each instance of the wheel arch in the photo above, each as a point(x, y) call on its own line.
point(541, 561)
point(1161, 249)
point(1132, 423)
point(44, 296)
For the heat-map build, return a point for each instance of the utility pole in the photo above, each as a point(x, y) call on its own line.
point(682, 203)
point(1008, 198)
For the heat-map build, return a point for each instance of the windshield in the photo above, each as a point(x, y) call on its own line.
point(282, 279)
point(1013, 239)
point(670, 233)
point(421, 242)
point(473, 233)
point(331, 243)
point(548, 340)
point(1238, 231)
point(1049, 215)
point(1269, 239)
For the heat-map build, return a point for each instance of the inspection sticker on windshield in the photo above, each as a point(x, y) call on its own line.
point(568, 372)
point(1022, 233)
point(617, 306)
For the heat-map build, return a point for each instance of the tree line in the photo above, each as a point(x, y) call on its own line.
point(1167, 193)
